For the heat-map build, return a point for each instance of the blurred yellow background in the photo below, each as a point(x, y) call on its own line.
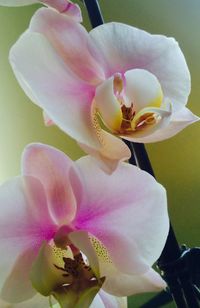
point(176, 161)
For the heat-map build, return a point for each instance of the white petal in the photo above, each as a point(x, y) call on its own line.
point(120, 284)
point(124, 47)
point(117, 210)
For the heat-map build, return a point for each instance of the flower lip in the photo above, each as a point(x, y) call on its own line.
point(64, 269)
point(76, 268)
point(131, 103)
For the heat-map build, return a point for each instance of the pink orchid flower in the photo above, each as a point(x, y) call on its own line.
point(117, 77)
point(63, 223)
point(62, 6)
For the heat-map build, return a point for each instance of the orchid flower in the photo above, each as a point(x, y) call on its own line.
point(62, 6)
point(115, 81)
point(70, 230)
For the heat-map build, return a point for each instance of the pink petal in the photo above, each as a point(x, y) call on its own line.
point(117, 210)
point(71, 41)
point(111, 153)
point(24, 224)
point(180, 119)
point(123, 47)
point(49, 83)
point(51, 167)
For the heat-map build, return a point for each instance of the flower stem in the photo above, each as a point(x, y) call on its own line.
point(94, 12)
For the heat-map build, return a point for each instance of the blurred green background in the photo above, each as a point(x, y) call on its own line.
point(176, 161)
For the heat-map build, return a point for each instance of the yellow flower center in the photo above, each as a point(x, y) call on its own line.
point(131, 104)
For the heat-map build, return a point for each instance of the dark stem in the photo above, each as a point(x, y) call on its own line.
point(141, 156)
point(181, 287)
point(133, 159)
point(94, 12)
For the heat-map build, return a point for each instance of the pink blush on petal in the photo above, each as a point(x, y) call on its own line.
point(67, 8)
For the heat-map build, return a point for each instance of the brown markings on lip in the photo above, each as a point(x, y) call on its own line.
point(76, 268)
